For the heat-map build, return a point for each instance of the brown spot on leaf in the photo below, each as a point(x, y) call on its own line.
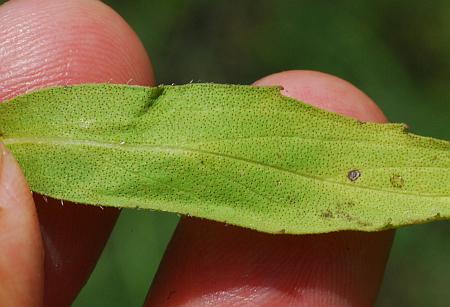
point(327, 214)
point(397, 181)
point(353, 175)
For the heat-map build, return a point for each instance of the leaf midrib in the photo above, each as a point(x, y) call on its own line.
point(168, 148)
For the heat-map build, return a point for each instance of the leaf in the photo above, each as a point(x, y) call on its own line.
point(238, 154)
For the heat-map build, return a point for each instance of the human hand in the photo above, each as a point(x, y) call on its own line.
point(207, 263)
point(46, 43)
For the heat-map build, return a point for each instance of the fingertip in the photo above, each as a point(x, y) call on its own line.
point(49, 43)
point(327, 92)
point(209, 263)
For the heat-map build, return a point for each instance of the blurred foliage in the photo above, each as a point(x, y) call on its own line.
point(396, 51)
point(130, 260)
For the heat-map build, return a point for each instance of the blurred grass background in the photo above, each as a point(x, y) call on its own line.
point(396, 51)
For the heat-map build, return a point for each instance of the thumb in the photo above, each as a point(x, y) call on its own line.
point(21, 253)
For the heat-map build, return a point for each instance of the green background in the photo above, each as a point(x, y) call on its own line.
point(396, 51)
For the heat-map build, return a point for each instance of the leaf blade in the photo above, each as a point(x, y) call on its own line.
point(238, 154)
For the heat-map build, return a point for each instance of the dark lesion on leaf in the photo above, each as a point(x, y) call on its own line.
point(341, 214)
point(353, 175)
point(327, 214)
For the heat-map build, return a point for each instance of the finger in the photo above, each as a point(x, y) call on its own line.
point(326, 92)
point(208, 263)
point(45, 43)
point(22, 255)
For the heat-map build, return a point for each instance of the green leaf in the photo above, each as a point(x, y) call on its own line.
point(238, 154)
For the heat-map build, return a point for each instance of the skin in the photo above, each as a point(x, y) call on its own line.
point(45, 43)
point(49, 43)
